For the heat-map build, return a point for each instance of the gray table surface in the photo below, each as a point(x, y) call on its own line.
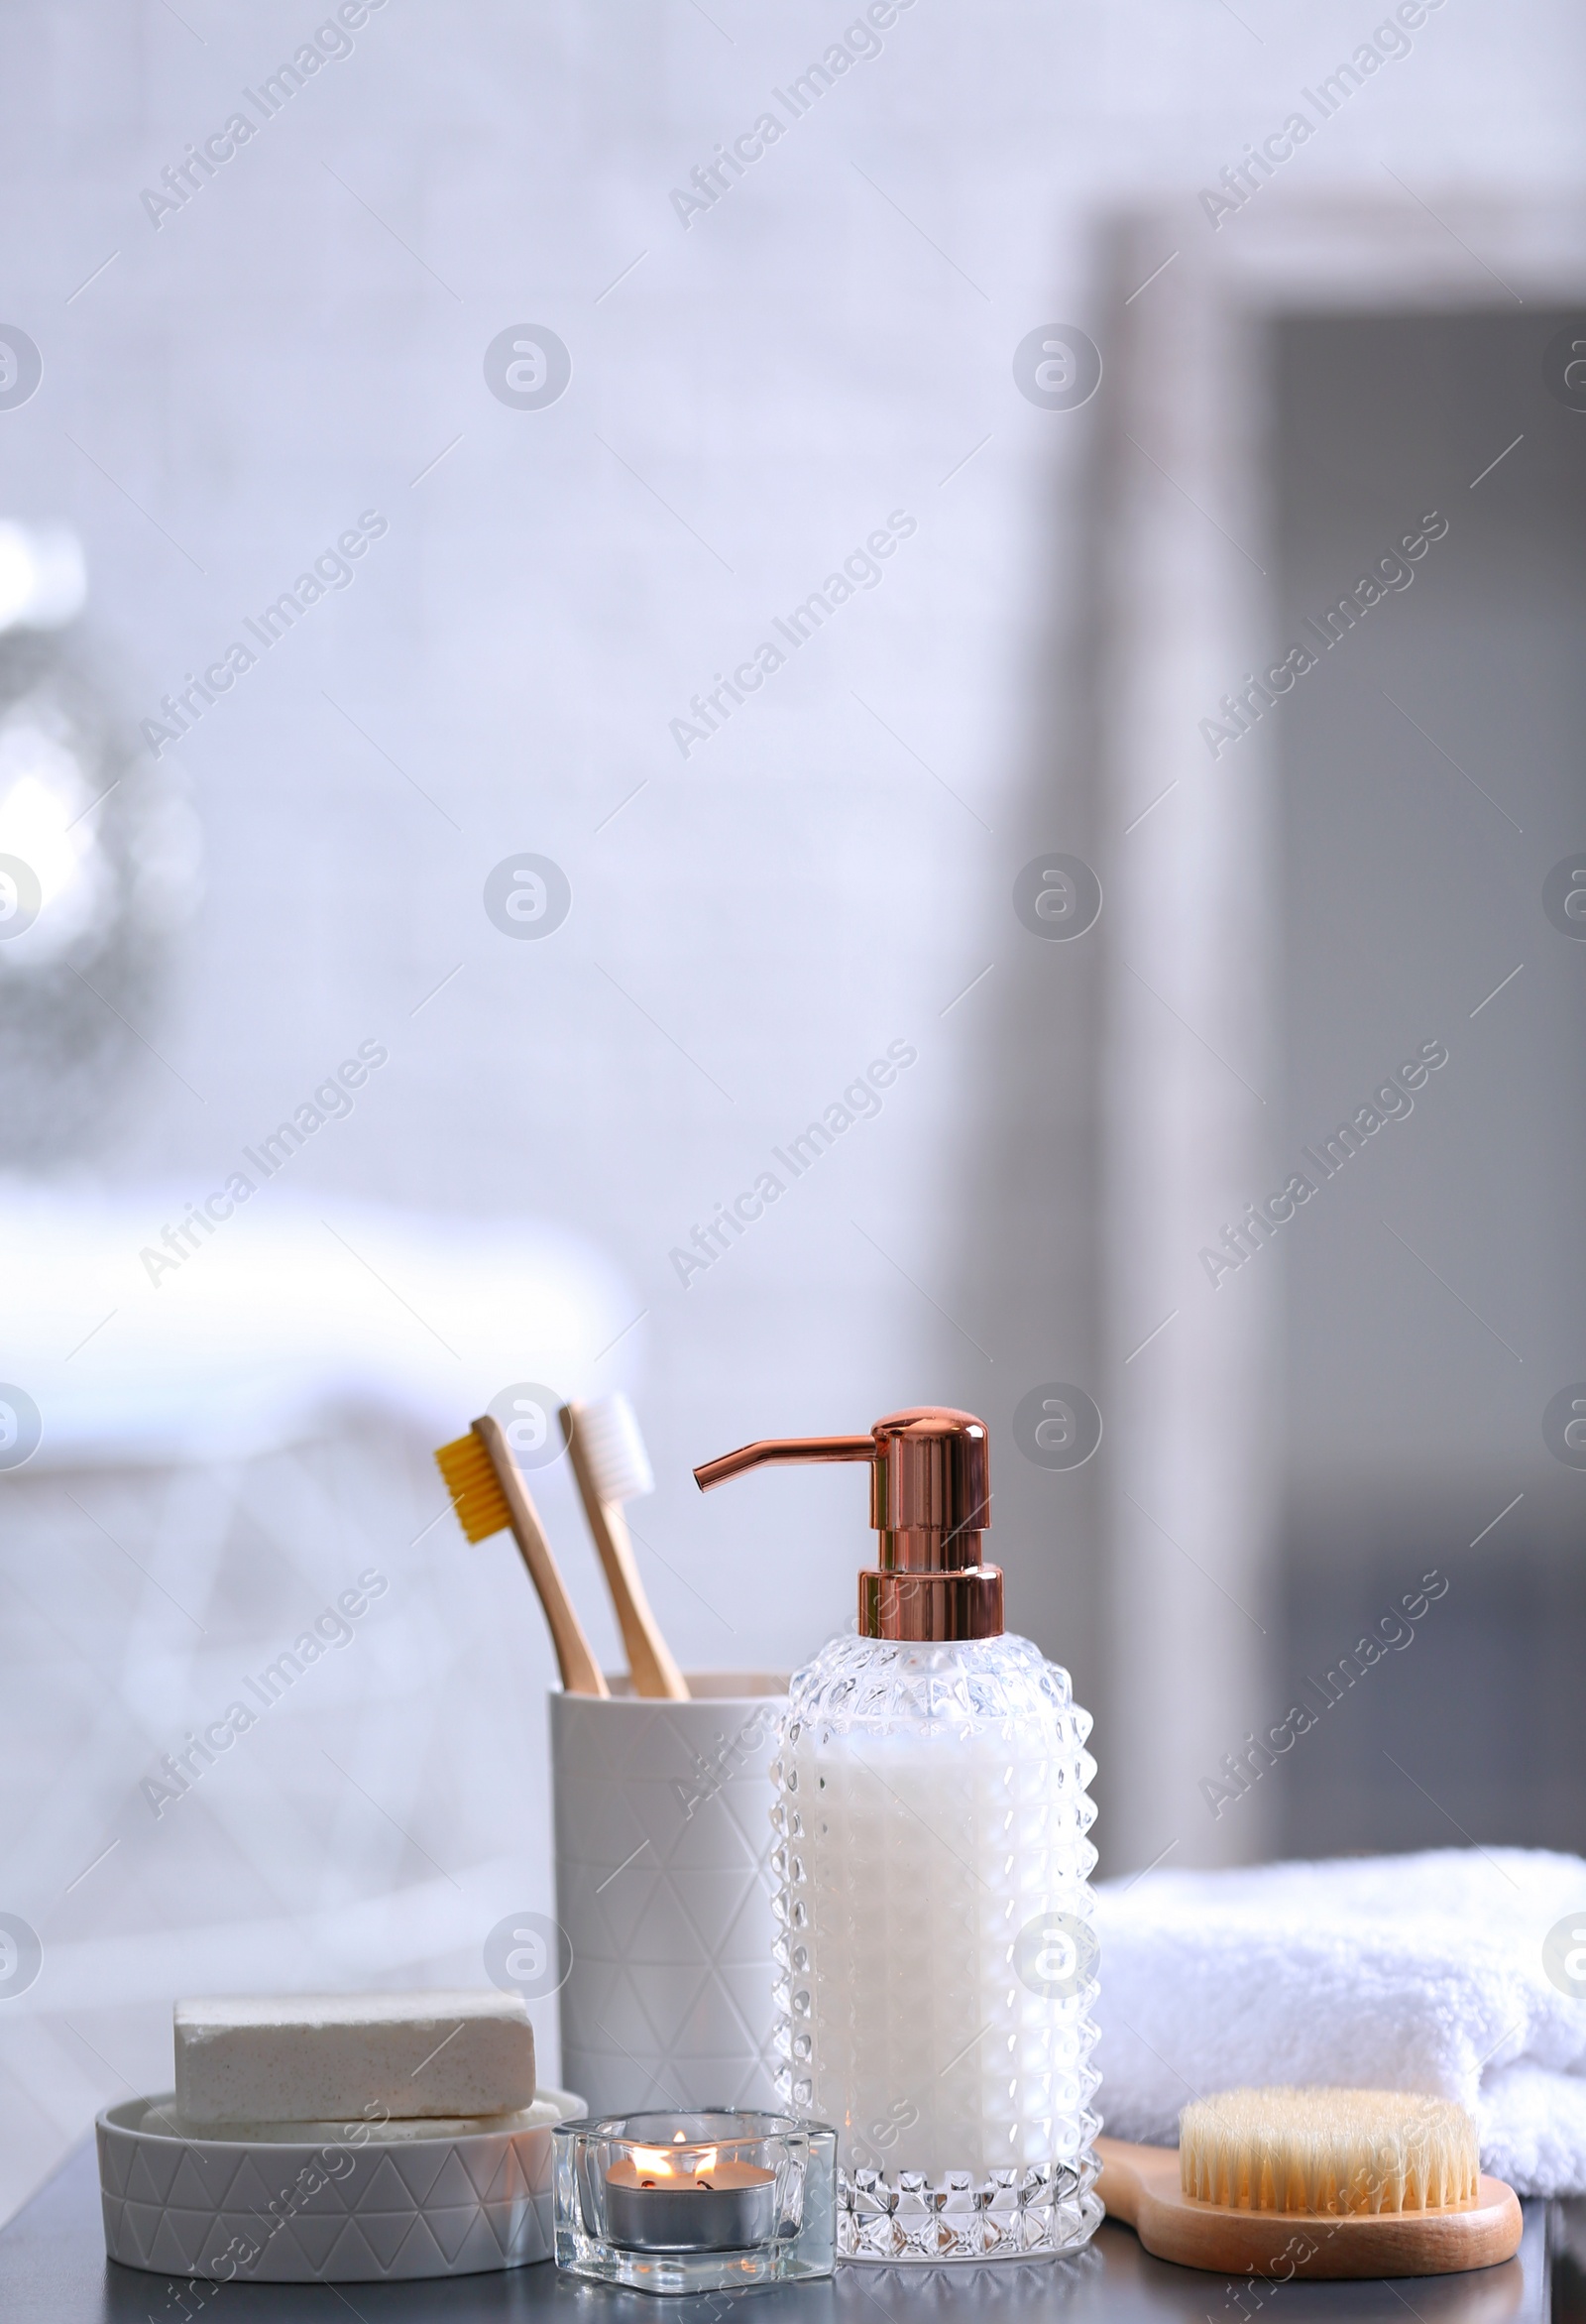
point(52, 2271)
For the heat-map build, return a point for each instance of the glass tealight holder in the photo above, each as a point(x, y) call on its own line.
point(713, 2201)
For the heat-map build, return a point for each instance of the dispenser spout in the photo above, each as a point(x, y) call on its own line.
point(769, 1449)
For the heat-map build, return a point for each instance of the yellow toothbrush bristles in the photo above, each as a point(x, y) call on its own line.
point(1322, 2152)
point(476, 1492)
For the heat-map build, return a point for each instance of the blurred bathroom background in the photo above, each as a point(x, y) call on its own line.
point(308, 357)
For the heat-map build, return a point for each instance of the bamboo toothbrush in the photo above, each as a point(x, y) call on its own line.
point(1324, 2184)
point(489, 1495)
point(612, 1466)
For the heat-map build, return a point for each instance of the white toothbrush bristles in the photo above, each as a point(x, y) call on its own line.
point(616, 1450)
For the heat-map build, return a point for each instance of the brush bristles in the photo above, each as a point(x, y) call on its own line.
point(1324, 2153)
point(615, 1449)
point(475, 1491)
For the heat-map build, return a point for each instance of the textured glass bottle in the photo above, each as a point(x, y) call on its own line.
point(935, 1959)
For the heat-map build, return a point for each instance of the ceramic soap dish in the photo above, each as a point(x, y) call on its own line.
point(329, 2202)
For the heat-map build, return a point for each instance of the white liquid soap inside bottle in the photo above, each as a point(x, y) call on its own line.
point(935, 1952)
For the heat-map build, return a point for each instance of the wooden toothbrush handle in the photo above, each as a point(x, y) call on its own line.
point(581, 1673)
point(649, 1658)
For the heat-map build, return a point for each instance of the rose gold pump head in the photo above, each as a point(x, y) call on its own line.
point(930, 1501)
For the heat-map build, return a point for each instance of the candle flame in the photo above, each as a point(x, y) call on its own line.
point(666, 2163)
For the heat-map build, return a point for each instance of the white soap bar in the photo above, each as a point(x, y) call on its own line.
point(336, 2058)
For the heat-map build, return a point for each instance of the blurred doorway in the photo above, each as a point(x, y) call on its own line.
point(1429, 777)
point(1324, 404)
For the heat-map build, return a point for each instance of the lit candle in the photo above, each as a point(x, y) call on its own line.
point(683, 2198)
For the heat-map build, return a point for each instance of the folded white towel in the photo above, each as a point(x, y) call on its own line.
point(1388, 1972)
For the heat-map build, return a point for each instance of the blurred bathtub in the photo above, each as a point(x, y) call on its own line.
point(221, 1454)
point(144, 1334)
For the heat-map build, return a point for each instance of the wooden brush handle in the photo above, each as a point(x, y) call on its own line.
point(649, 1658)
point(1119, 2182)
point(581, 1673)
point(1140, 2186)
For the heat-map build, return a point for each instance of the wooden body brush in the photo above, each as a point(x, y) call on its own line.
point(1322, 2183)
point(490, 1496)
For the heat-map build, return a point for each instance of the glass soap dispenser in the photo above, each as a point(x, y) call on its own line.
point(935, 1952)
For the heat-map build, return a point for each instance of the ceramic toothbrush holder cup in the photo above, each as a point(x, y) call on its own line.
point(663, 1889)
